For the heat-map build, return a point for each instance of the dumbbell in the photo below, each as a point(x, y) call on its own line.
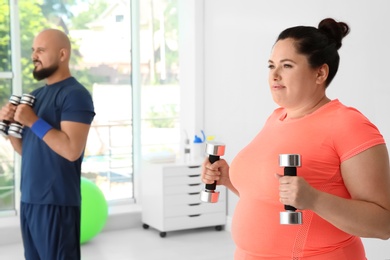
point(14, 100)
point(16, 129)
point(214, 150)
point(290, 162)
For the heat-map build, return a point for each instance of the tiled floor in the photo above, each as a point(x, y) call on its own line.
point(140, 244)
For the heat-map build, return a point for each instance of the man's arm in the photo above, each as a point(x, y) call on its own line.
point(70, 141)
point(16, 144)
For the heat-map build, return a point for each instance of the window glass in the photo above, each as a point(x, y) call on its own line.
point(5, 38)
point(7, 184)
point(101, 48)
point(5, 89)
point(159, 56)
point(100, 31)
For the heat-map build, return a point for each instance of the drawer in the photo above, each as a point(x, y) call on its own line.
point(182, 199)
point(189, 198)
point(183, 189)
point(182, 179)
point(194, 221)
point(181, 170)
point(194, 209)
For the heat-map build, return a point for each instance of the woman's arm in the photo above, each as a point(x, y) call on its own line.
point(367, 178)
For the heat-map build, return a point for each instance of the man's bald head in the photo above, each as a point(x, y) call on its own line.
point(56, 38)
point(51, 54)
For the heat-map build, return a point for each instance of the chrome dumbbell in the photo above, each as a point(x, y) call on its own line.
point(16, 129)
point(214, 150)
point(290, 162)
point(14, 100)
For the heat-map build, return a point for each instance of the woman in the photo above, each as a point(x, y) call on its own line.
point(343, 185)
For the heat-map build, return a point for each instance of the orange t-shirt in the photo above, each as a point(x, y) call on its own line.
point(324, 139)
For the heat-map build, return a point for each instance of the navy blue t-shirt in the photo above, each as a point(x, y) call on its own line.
point(48, 178)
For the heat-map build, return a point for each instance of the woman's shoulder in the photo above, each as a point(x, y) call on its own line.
point(344, 112)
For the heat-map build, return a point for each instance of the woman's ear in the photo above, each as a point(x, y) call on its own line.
point(322, 73)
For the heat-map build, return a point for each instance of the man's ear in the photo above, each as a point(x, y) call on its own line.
point(64, 54)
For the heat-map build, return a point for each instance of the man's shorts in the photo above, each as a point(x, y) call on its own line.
point(50, 232)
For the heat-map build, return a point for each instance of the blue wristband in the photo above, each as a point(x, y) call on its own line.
point(40, 128)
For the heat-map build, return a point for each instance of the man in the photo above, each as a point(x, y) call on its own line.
point(52, 148)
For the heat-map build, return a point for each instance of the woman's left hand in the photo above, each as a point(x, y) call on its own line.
point(295, 191)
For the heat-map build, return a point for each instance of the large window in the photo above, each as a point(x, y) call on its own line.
point(6, 152)
point(101, 35)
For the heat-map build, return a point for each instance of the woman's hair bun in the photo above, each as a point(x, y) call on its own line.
point(335, 31)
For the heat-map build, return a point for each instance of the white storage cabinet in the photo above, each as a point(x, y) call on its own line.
point(171, 199)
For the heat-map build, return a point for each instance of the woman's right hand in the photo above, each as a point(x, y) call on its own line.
point(218, 171)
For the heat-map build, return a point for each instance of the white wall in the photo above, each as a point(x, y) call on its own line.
point(238, 36)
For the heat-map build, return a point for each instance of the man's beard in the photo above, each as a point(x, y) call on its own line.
point(44, 72)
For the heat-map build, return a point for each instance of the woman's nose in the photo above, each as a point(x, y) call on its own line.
point(275, 74)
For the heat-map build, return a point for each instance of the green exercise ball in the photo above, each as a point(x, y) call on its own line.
point(94, 210)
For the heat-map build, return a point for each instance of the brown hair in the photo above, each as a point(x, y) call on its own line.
point(319, 45)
